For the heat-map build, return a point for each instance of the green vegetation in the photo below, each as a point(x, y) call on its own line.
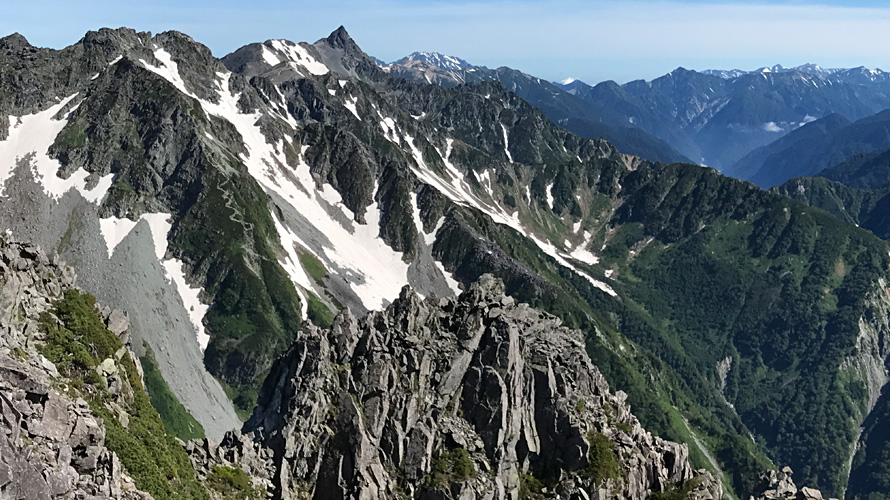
point(313, 266)
point(154, 459)
point(232, 483)
point(256, 310)
point(454, 466)
point(19, 354)
point(727, 270)
point(177, 420)
point(675, 492)
point(72, 137)
point(602, 464)
point(531, 488)
point(317, 312)
point(624, 427)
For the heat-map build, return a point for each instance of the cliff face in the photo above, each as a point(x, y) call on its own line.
point(474, 397)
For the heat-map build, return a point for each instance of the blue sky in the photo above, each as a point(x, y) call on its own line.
point(591, 40)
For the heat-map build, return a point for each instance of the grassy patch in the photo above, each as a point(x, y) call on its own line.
point(313, 266)
point(177, 420)
point(154, 459)
point(530, 488)
point(453, 466)
point(318, 313)
point(233, 483)
point(676, 492)
point(601, 456)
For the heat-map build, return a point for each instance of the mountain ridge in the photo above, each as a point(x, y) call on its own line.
point(256, 187)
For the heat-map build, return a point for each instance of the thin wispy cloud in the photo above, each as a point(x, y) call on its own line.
point(597, 40)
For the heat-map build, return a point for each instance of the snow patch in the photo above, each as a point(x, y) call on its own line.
point(459, 192)
point(549, 193)
point(291, 263)
point(506, 143)
point(114, 230)
point(453, 284)
point(35, 133)
point(270, 58)
point(196, 310)
point(582, 254)
point(350, 104)
point(299, 55)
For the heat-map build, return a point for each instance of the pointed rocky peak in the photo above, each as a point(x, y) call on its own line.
point(14, 42)
point(341, 55)
point(340, 39)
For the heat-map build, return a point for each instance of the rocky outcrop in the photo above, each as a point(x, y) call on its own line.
point(475, 397)
point(236, 450)
point(778, 485)
point(52, 445)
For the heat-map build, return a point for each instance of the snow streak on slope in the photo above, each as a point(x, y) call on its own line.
point(114, 231)
point(376, 273)
point(291, 263)
point(269, 57)
point(34, 134)
point(300, 56)
point(350, 103)
point(461, 193)
point(506, 143)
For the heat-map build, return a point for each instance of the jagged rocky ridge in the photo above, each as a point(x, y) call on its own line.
point(52, 445)
point(362, 410)
point(230, 181)
point(382, 407)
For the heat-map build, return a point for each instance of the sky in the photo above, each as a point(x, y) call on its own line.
point(592, 40)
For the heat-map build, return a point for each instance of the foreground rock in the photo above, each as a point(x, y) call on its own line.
point(51, 445)
point(778, 485)
point(477, 397)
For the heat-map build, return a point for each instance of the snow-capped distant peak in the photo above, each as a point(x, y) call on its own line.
point(441, 61)
point(568, 81)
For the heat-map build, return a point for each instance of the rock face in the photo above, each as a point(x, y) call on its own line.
point(778, 485)
point(51, 446)
point(475, 397)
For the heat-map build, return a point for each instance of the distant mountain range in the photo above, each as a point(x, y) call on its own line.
point(814, 147)
point(717, 118)
point(860, 74)
point(714, 117)
point(563, 108)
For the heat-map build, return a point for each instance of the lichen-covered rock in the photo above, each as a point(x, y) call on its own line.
point(478, 397)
